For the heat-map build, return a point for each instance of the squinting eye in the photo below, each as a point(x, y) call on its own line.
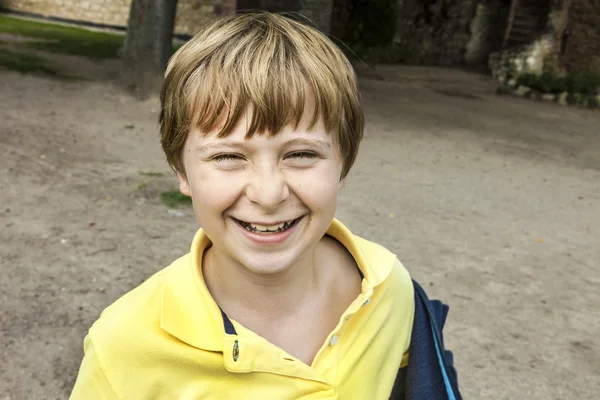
point(302, 154)
point(227, 157)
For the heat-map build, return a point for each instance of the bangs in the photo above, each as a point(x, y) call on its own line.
point(263, 71)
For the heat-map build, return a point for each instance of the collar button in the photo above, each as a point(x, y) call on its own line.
point(333, 341)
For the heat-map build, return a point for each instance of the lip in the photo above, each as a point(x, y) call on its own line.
point(271, 238)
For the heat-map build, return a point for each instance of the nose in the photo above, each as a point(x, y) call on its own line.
point(267, 187)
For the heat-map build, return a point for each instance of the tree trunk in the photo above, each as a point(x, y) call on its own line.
point(148, 44)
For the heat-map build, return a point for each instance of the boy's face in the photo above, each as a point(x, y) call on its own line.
point(264, 202)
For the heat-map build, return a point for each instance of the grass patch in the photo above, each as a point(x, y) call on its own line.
point(150, 173)
point(29, 63)
point(58, 38)
point(64, 39)
point(174, 198)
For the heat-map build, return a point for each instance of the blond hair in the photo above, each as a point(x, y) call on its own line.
point(263, 61)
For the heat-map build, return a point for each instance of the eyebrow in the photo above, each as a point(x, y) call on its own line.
point(243, 146)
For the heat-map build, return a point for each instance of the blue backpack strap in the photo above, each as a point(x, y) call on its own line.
point(430, 374)
point(438, 312)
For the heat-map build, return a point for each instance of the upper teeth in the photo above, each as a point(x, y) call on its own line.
point(266, 228)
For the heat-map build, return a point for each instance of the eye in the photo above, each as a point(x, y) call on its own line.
point(227, 157)
point(302, 154)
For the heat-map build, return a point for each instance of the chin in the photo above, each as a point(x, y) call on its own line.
point(269, 265)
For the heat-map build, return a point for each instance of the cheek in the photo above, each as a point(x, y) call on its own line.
point(214, 191)
point(318, 187)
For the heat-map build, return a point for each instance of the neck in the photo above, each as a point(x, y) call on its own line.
point(246, 294)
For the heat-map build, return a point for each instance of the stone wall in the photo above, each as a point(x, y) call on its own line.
point(269, 5)
point(569, 43)
point(109, 12)
point(191, 14)
point(452, 39)
point(319, 12)
point(581, 50)
point(543, 53)
point(487, 31)
point(313, 12)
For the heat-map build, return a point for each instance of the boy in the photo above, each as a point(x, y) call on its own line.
point(261, 121)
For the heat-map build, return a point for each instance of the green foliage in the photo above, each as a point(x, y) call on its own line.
point(25, 62)
point(528, 79)
point(548, 83)
point(28, 63)
point(582, 83)
point(586, 83)
point(503, 90)
point(150, 173)
point(545, 83)
point(581, 88)
point(592, 102)
point(571, 99)
point(173, 198)
point(63, 39)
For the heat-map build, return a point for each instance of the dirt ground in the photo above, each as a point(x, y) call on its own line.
point(492, 203)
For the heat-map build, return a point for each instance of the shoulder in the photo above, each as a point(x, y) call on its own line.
point(124, 339)
point(393, 290)
point(374, 260)
point(135, 314)
point(384, 264)
point(384, 272)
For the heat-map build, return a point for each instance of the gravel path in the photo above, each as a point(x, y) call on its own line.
point(492, 203)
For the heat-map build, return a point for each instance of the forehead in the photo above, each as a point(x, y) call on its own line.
point(302, 134)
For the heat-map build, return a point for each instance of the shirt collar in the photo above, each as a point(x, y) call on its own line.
point(374, 261)
point(189, 312)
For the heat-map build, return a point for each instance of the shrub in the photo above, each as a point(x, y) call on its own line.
point(528, 79)
point(593, 102)
point(571, 98)
point(549, 83)
point(503, 90)
point(583, 83)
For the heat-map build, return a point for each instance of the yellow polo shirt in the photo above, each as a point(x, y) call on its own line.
point(168, 339)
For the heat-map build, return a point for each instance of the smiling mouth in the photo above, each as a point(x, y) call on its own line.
point(266, 229)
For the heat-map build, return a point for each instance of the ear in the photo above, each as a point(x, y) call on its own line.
point(184, 185)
